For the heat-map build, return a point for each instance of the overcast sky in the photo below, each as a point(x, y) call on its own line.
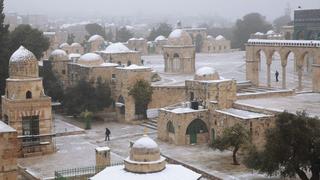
point(230, 9)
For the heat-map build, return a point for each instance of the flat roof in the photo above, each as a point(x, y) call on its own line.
point(242, 114)
point(5, 128)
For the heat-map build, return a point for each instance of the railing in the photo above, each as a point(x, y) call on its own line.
point(80, 173)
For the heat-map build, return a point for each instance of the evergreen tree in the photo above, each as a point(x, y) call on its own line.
point(163, 29)
point(70, 38)
point(123, 34)
point(292, 148)
point(233, 137)
point(31, 38)
point(94, 29)
point(4, 50)
point(142, 94)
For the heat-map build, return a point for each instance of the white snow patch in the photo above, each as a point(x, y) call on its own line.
point(242, 114)
point(270, 32)
point(134, 66)
point(152, 113)
point(64, 45)
point(58, 52)
point(5, 128)
point(22, 54)
point(205, 71)
point(145, 142)
point(95, 38)
point(117, 48)
point(259, 34)
point(182, 110)
point(219, 38)
point(176, 33)
point(159, 38)
point(90, 57)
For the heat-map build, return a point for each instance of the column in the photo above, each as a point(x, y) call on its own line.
point(300, 69)
point(284, 74)
point(269, 74)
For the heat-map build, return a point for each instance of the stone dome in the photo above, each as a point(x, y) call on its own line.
point(220, 38)
point(58, 55)
point(90, 59)
point(64, 45)
point(206, 73)
point(145, 157)
point(270, 32)
point(117, 48)
point(77, 45)
point(23, 64)
point(159, 38)
point(179, 37)
point(96, 38)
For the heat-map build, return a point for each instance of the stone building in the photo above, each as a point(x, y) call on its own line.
point(25, 107)
point(268, 35)
point(58, 63)
point(146, 162)
point(307, 24)
point(159, 42)
point(66, 47)
point(218, 44)
point(90, 67)
point(120, 54)
point(138, 45)
point(76, 48)
point(8, 152)
point(179, 54)
point(208, 108)
point(95, 43)
point(125, 79)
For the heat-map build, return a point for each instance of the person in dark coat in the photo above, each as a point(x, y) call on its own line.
point(277, 76)
point(108, 132)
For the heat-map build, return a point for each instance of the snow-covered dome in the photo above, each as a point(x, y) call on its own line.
point(132, 39)
point(259, 34)
point(64, 45)
point(90, 59)
point(117, 48)
point(209, 37)
point(220, 37)
point(96, 38)
point(145, 157)
point(206, 73)
point(76, 45)
point(23, 63)
point(159, 38)
point(270, 32)
point(58, 55)
point(179, 37)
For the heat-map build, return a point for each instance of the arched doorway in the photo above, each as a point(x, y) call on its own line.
point(176, 62)
point(196, 128)
point(121, 105)
point(28, 95)
point(198, 43)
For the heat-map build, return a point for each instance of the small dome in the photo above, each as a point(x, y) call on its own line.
point(146, 143)
point(159, 38)
point(117, 48)
point(179, 37)
point(209, 37)
point(220, 38)
point(206, 73)
point(64, 45)
point(96, 38)
point(132, 39)
point(58, 55)
point(76, 45)
point(259, 34)
point(21, 55)
point(90, 59)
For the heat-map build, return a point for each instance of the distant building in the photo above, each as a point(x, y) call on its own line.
point(307, 24)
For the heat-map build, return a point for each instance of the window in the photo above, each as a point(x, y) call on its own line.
point(113, 76)
point(6, 119)
point(63, 71)
point(28, 95)
point(170, 127)
point(30, 127)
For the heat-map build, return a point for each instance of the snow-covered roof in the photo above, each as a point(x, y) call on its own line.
point(259, 34)
point(132, 39)
point(220, 37)
point(145, 143)
point(176, 33)
point(74, 55)
point(271, 42)
point(49, 33)
point(182, 110)
point(209, 37)
point(76, 45)
point(141, 39)
point(95, 38)
point(205, 71)
point(242, 114)
point(109, 64)
point(270, 32)
point(58, 52)
point(22, 54)
point(171, 172)
point(91, 57)
point(64, 45)
point(159, 38)
point(117, 48)
point(134, 66)
point(5, 128)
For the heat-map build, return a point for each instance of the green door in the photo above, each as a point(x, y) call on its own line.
point(193, 138)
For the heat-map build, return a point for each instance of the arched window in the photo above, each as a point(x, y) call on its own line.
point(170, 127)
point(197, 126)
point(28, 95)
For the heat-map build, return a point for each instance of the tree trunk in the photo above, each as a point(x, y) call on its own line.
point(234, 156)
point(302, 175)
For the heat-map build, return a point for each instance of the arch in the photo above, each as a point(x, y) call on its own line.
point(175, 55)
point(6, 119)
point(122, 107)
point(176, 62)
point(197, 126)
point(28, 95)
point(128, 63)
point(198, 42)
point(170, 127)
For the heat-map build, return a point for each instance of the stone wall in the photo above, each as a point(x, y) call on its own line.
point(8, 152)
point(166, 95)
point(124, 58)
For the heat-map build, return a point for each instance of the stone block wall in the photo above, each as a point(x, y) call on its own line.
point(166, 95)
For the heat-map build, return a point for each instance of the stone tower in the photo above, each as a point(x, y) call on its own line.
point(25, 107)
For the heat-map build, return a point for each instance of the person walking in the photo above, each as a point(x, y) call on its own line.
point(277, 76)
point(108, 132)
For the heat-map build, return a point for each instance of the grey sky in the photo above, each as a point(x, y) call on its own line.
point(230, 9)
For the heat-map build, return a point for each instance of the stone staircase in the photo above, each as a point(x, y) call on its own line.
point(150, 123)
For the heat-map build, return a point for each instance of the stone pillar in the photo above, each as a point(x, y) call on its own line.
point(315, 78)
point(103, 157)
point(269, 60)
point(300, 69)
point(252, 67)
point(284, 77)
